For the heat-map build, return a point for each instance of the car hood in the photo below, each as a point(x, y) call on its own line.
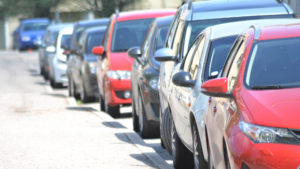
point(275, 108)
point(33, 33)
point(120, 61)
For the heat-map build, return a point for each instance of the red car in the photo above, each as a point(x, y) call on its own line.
point(253, 114)
point(125, 30)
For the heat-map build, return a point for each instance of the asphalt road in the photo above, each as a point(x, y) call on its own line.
point(40, 128)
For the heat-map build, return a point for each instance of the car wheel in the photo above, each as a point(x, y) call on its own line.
point(135, 118)
point(182, 157)
point(41, 70)
point(162, 144)
point(146, 129)
point(166, 130)
point(70, 87)
point(54, 84)
point(199, 161)
point(113, 111)
point(84, 97)
point(75, 94)
point(101, 102)
point(45, 74)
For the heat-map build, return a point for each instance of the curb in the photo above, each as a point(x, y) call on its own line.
point(133, 137)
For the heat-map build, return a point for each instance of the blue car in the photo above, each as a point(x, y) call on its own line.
point(30, 33)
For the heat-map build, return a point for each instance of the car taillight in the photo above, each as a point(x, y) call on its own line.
point(66, 52)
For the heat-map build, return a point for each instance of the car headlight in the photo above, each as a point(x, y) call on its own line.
point(119, 74)
point(153, 83)
point(25, 38)
point(261, 134)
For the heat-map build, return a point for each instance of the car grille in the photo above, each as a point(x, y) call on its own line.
point(296, 133)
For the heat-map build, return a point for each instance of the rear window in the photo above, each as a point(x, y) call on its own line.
point(194, 28)
point(93, 40)
point(128, 34)
point(218, 53)
point(274, 63)
point(65, 40)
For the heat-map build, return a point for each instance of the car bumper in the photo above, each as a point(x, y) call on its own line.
point(27, 45)
point(60, 73)
point(114, 90)
point(245, 154)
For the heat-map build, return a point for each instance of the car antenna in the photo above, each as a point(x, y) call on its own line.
point(117, 15)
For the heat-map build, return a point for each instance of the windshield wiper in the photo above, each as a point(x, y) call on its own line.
point(266, 87)
point(121, 50)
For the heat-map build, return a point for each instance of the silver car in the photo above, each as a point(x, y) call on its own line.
point(58, 58)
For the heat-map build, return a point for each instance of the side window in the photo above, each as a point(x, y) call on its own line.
point(196, 61)
point(177, 38)
point(172, 30)
point(231, 55)
point(234, 68)
point(106, 36)
point(147, 41)
point(81, 40)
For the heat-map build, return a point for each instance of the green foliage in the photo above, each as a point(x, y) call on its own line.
point(27, 8)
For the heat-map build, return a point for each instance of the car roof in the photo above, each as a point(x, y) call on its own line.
point(35, 20)
point(236, 28)
point(58, 27)
point(67, 30)
point(96, 29)
point(281, 31)
point(164, 21)
point(101, 21)
point(143, 14)
point(213, 9)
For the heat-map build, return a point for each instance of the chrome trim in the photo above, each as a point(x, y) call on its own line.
point(288, 8)
point(257, 31)
point(239, 13)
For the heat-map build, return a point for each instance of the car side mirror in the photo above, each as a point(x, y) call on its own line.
point(134, 52)
point(216, 88)
point(98, 50)
point(165, 54)
point(183, 79)
point(50, 49)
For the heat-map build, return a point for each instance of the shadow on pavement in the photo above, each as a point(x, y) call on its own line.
point(144, 159)
point(56, 95)
point(81, 108)
point(113, 124)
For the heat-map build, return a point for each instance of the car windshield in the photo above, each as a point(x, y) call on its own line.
point(274, 63)
point(128, 34)
point(93, 40)
point(194, 28)
point(218, 53)
point(80, 30)
point(65, 40)
point(51, 41)
point(161, 38)
point(26, 27)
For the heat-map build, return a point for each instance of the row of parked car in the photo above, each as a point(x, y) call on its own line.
point(216, 80)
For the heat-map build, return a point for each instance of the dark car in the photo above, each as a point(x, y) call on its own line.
point(74, 48)
point(46, 47)
point(83, 68)
point(30, 33)
point(144, 78)
point(190, 20)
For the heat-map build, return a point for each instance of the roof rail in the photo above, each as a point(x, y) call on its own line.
point(257, 32)
point(190, 5)
point(117, 14)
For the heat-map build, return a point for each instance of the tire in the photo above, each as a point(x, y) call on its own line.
point(76, 95)
point(166, 131)
point(135, 118)
point(84, 97)
point(70, 87)
point(113, 111)
point(199, 161)
point(147, 130)
point(54, 84)
point(182, 157)
point(41, 70)
point(101, 102)
point(45, 74)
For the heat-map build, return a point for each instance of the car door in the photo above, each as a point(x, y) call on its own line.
point(221, 108)
point(77, 62)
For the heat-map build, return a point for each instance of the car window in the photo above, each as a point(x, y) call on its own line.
point(93, 40)
point(177, 38)
point(190, 55)
point(147, 41)
point(81, 40)
point(128, 34)
point(106, 36)
point(194, 68)
point(161, 38)
point(234, 68)
point(274, 63)
point(217, 56)
point(172, 30)
point(231, 55)
point(51, 41)
point(65, 40)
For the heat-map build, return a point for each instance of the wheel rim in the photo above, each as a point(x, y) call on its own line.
point(173, 130)
point(140, 110)
point(196, 148)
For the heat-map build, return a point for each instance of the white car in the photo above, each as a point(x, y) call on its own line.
point(58, 59)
